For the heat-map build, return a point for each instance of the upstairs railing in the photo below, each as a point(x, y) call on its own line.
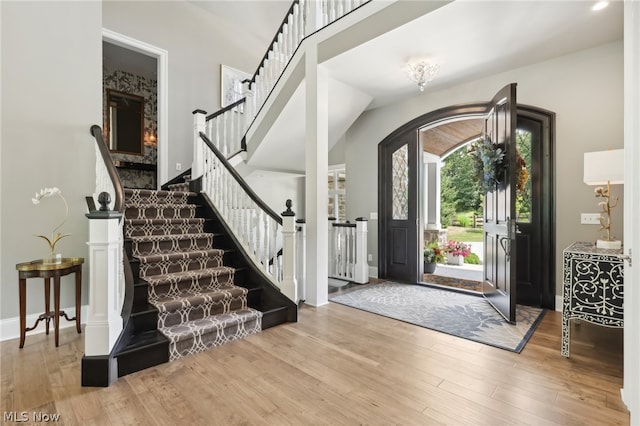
point(303, 18)
point(348, 250)
point(261, 231)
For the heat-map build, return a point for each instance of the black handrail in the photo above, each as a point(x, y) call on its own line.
point(225, 109)
point(275, 39)
point(118, 204)
point(256, 199)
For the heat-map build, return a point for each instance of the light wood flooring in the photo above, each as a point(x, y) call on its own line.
point(337, 365)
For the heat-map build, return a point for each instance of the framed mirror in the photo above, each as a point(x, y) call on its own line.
point(125, 122)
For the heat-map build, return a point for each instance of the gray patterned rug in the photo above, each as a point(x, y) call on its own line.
point(458, 314)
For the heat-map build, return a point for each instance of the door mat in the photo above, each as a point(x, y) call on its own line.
point(463, 315)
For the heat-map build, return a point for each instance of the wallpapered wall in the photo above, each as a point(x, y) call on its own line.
point(127, 82)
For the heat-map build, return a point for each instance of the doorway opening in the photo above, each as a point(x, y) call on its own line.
point(535, 205)
point(135, 68)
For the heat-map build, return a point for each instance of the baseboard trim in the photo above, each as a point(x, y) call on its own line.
point(373, 271)
point(10, 327)
point(558, 303)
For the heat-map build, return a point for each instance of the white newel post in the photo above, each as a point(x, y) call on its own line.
point(199, 125)
point(104, 322)
point(301, 257)
point(289, 285)
point(361, 270)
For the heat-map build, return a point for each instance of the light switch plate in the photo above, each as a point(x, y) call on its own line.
point(590, 218)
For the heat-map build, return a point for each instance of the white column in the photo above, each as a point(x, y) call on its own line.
point(631, 379)
point(432, 187)
point(104, 323)
point(317, 169)
point(361, 272)
point(199, 125)
point(289, 285)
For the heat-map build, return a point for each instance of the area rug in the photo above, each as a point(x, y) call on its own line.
point(467, 316)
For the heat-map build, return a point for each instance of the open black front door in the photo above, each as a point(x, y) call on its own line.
point(499, 284)
point(398, 201)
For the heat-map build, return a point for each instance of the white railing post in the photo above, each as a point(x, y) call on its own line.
point(289, 285)
point(104, 323)
point(199, 125)
point(301, 257)
point(361, 272)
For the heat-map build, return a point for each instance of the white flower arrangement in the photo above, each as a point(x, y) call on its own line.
point(55, 236)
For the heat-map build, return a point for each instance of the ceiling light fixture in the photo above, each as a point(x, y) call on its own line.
point(600, 5)
point(422, 72)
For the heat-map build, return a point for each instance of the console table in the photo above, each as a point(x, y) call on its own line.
point(47, 269)
point(593, 288)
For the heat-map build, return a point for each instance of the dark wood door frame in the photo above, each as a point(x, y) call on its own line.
point(478, 110)
point(543, 168)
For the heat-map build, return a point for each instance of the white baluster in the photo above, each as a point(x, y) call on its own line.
point(352, 262)
point(332, 247)
point(225, 137)
point(347, 259)
point(274, 250)
point(245, 216)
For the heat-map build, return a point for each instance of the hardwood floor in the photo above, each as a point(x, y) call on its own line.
point(337, 365)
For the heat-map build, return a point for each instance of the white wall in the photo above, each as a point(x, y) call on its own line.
point(584, 89)
point(275, 190)
point(51, 93)
point(197, 43)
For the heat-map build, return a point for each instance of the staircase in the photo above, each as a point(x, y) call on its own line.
point(185, 297)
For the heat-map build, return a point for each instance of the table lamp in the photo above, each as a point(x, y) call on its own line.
point(605, 168)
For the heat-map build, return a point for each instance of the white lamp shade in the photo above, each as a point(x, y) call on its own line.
point(601, 167)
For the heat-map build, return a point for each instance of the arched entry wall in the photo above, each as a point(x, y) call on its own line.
point(389, 229)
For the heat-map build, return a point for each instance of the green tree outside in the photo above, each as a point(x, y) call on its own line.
point(459, 189)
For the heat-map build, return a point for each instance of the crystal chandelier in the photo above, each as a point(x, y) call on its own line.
point(422, 72)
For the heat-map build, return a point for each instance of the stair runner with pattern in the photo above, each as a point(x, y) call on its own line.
point(199, 307)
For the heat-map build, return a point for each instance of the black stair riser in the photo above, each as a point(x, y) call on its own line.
point(274, 317)
point(128, 248)
point(144, 357)
point(254, 298)
point(144, 321)
point(140, 293)
point(135, 267)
